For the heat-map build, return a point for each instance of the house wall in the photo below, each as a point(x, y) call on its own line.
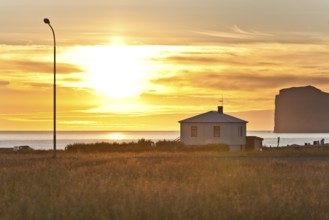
point(229, 134)
point(258, 144)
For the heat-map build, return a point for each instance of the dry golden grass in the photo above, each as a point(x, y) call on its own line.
point(163, 186)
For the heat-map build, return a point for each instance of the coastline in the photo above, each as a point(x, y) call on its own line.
point(43, 139)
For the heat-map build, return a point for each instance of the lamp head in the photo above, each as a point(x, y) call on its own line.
point(46, 20)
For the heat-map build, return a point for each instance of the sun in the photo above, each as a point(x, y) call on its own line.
point(117, 70)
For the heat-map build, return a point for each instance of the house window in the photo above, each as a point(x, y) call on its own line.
point(194, 131)
point(240, 131)
point(216, 131)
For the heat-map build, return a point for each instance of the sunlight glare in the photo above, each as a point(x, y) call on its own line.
point(118, 71)
point(116, 136)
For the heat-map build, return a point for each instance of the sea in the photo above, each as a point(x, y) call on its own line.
point(44, 139)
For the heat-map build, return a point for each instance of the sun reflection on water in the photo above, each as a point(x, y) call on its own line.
point(116, 136)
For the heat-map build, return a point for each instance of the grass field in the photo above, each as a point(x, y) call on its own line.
point(202, 185)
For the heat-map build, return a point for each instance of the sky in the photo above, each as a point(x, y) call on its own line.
point(145, 65)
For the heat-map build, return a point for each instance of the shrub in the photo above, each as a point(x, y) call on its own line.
point(166, 145)
point(145, 143)
point(23, 148)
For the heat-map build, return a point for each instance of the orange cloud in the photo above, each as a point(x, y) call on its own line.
point(238, 81)
point(4, 83)
point(38, 67)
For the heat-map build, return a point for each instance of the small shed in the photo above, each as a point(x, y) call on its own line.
point(254, 143)
point(214, 127)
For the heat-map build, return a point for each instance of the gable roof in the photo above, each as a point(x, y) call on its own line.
point(213, 117)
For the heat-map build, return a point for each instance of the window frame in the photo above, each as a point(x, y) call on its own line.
point(216, 131)
point(194, 131)
point(240, 131)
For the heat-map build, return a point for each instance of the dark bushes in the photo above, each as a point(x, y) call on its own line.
point(140, 146)
point(143, 145)
point(165, 145)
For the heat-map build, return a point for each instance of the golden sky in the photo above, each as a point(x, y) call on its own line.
point(145, 65)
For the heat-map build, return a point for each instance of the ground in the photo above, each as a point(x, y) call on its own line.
point(193, 185)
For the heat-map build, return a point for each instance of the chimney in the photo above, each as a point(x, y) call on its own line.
point(220, 109)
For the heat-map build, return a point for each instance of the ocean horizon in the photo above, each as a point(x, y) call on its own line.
point(44, 139)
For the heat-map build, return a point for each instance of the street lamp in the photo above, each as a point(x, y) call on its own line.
point(46, 20)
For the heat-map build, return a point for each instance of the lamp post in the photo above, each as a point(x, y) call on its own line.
point(46, 20)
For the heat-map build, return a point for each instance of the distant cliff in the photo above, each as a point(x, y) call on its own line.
point(302, 110)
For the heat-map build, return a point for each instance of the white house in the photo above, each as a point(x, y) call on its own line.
point(214, 127)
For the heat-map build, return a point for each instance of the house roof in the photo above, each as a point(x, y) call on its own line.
point(255, 137)
point(213, 117)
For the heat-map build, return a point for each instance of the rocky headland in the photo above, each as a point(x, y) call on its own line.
point(302, 110)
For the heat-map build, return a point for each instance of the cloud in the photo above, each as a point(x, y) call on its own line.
point(28, 119)
point(38, 97)
point(201, 59)
point(38, 67)
point(48, 84)
point(72, 79)
point(251, 69)
point(132, 110)
point(4, 83)
point(238, 81)
point(39, 85)
point(82, 122)
point(238, 35)
point(250, 32)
